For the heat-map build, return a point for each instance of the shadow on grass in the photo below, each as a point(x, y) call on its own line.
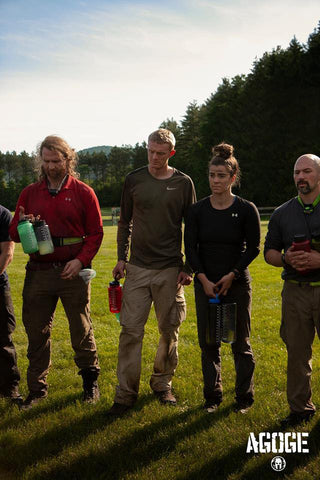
point(236, 458)
point(134, 451)
point(293, 460)
point(47, 406)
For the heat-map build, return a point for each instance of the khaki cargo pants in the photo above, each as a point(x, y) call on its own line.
point(142, 287)
point(300, 320)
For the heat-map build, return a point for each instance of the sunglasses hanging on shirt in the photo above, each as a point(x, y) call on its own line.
point(54, 191)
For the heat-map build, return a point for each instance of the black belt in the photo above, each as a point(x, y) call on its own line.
point(36, 266)
point(301, 284)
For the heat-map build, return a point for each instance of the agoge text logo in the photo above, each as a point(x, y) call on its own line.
point(278, 442)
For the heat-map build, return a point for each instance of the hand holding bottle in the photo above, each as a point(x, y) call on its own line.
point(119, 270)
point(209, 287)
point(298, 255)
point(29, 216)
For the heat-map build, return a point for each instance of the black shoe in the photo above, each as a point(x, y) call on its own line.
point(295, 419)
point(118, 409)
point(32, 400)
point(91, 392)
point(242, 407)
point(211, 407)
point(166, 397)
point(13, 394)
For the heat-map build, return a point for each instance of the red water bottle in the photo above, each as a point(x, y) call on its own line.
point(115, 298)
point(301, 242)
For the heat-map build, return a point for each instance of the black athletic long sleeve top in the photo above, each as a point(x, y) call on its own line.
point(217, 241)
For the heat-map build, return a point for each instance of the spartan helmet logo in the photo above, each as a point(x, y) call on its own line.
point(278, 464)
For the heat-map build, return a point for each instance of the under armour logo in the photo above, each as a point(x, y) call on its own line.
point(234, 214)
point(67, 199)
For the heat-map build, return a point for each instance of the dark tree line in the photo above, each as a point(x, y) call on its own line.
point(270, 116)
point(105, 173)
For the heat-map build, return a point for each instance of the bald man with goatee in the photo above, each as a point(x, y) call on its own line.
point(293, 243)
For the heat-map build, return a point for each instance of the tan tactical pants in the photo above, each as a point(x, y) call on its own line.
point(300, 320)
point(141, 288)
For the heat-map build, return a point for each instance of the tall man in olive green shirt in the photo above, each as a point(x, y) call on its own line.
point(154, 202)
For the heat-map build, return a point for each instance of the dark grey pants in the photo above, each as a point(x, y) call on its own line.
point(9, 373)
point(240, 293)
point(41, 292)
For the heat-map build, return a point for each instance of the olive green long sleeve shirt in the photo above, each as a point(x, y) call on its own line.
point(151, 215)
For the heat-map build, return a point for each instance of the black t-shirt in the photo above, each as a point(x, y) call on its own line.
point(287, 221)
point(217, 241)
point(5, 219)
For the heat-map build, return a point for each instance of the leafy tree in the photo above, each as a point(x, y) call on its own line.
point(139, 155)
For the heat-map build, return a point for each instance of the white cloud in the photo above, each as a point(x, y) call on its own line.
point(112, 75)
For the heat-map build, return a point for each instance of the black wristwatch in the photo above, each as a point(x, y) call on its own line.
point(236, 273)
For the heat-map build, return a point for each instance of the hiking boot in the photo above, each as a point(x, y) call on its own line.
point(295, 419)
point(166, 397)
point(242, 407)
point(13, 394)
point(91, 392)
point(32, 400)
point(118, 409)
point(211, 407)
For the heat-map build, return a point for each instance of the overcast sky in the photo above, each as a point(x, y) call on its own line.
point(103, 72)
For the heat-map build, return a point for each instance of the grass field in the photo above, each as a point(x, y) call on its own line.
point(62, 438)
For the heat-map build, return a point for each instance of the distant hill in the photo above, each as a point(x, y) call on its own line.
point(103, 148)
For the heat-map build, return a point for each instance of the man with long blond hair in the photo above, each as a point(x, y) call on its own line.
point(72, 212)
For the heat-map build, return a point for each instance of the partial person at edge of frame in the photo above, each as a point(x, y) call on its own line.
point(72, 211)
point(155, 199)
point(301, 288)
point(9, 372)
point(222, 237)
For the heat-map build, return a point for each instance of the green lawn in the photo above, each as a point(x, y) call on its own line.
point(62, 438)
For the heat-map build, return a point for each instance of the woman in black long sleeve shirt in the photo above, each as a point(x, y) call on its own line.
point(222, 237)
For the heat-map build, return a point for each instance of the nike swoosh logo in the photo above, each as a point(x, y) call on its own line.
point(171, 188)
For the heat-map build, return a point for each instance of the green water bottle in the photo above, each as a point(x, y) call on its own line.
point(27, 236)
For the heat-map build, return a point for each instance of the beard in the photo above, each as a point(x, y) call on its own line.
point(305, 188)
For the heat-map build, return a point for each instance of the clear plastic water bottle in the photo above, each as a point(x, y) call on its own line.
point(43, 237)
point(213, 326)
point(229, 320)
point(221, 322)
point(115, 298)
point(27, 236)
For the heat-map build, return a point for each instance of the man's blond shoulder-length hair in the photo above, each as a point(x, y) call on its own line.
point(59, 145)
